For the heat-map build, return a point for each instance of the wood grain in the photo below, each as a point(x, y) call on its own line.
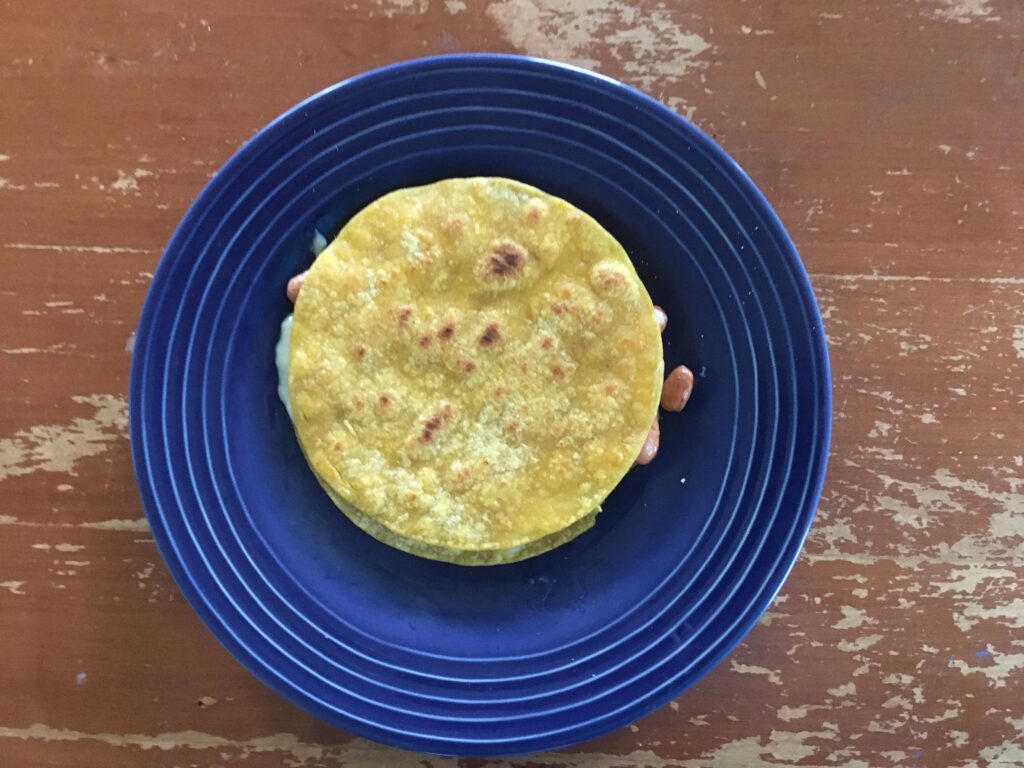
point(886, 134)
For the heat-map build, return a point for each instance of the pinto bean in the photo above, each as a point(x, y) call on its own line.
point(295, 285)
point(650, 447)
point(677, 388)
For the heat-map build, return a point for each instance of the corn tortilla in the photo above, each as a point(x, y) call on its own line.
point(474, 366)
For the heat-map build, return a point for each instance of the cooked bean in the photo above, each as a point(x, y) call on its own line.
point(677, 388)
point(650, 447)
point(294, 286)
point(661, 317)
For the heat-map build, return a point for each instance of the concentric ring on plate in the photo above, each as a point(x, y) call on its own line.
point(558, 648)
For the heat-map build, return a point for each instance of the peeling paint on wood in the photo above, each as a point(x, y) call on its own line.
point(889, 150)
point(58, 447)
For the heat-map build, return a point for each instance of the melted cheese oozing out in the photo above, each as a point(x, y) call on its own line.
point(281, 356)
point(283, 347)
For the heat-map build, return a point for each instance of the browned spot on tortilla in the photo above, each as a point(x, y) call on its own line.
point(558, 307)
point(557, 371)
point(403, 315)
point(460, 476)
point(435, 423)
point(424, 341)
point(490, 336)
point(469, 366)
point(506, 260)
point(337, 446)
point(358, 403)
point(546, 342)
point(535, 210)
point(512, 426)
point(447, 331)
point(360, 351)
point(384, 401)
point(609, 279)
point(456, 223)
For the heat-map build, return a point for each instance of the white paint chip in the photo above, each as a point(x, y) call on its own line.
point(14, 587)
point(52, 349)
point(880, 429)
point(972, 579)
point(788, 713)
point(140, 525)
point(1018, 341)
point(852, 618)
point(1010, 614)
point(1000, 669)
point(76, 248)
point(59, 447)
point(846, 689)
point(651, 48)
point(760, 80)
point(774, 676)
point(963, 11)
point(125, 183)
point(118, 525)
point(860, 644)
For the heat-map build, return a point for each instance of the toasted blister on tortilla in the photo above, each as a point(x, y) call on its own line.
point(474, 366)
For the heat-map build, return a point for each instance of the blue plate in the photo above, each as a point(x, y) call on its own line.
point(515, 658)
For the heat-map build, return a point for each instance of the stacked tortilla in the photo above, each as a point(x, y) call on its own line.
point(474, 367)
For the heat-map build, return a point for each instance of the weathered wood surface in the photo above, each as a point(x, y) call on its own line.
point(888, 136)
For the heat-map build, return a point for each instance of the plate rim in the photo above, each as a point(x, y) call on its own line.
point(823, 386)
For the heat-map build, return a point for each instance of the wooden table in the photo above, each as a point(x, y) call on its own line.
point(888, 135)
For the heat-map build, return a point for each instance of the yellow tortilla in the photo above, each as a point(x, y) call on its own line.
point(474, 367)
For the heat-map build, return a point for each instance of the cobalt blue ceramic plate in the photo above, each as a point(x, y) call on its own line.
point(515, 658)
